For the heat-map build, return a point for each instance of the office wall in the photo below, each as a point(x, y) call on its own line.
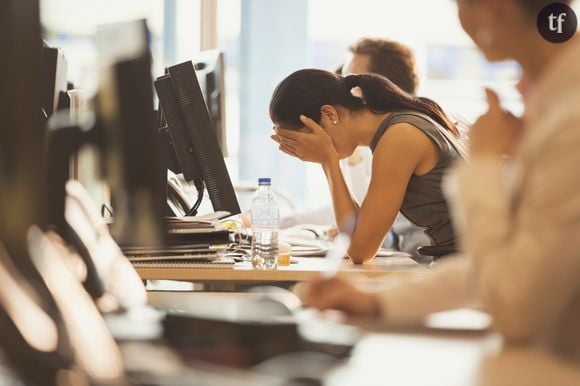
point(273, 43)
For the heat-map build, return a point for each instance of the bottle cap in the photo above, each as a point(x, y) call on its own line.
point(264, 181)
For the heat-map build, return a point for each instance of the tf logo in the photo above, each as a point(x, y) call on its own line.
point(557, 22)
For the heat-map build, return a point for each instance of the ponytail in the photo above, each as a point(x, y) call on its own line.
point(437, 114)
point(381, 95)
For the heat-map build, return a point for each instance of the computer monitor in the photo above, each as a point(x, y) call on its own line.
point(58, 141)
point(23, 199)
point(210, 70)
point(193, 135)
point(54, 78)
point(133, 165)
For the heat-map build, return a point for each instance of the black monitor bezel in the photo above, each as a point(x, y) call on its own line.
point(201, 133)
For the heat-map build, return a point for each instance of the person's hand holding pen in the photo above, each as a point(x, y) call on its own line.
point(331, 292)
point(338, 294)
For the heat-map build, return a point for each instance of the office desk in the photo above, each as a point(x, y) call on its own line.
point(303, 270)
point(426, 357)
point(448, 360)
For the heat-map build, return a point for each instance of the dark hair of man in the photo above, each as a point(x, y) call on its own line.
point(390, 59)
point(306, 91)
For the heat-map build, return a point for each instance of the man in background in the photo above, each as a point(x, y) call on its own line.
point(395, 62)
point(388, 58)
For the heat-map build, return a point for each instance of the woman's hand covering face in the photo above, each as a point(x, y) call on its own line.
point(312, 144)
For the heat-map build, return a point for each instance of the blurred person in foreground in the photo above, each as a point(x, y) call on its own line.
point(519, 219)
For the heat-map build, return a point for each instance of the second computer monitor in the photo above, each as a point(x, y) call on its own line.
point(126, 121)
point(23, 199)
point(54, 78)
point(193, 134)
point(210, 70)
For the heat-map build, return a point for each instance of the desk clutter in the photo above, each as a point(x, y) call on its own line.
point(249, 328)
point(190, 242)
point(231, 333)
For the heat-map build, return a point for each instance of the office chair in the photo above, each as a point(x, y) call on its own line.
point(435, 251)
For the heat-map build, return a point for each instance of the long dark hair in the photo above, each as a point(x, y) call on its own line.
point(306, 91)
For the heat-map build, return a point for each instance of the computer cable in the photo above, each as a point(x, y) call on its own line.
point(242, 240)
point(200, 188)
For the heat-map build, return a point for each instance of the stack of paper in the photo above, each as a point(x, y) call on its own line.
point(194, 239)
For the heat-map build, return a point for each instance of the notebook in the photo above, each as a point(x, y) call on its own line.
point(200, 257)
point(168, 264)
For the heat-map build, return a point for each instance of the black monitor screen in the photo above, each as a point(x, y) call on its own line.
point(186, 157)
point(197, 136)
point(22, 192)
point(54, 78)
point(125, 104)
point(210, 70)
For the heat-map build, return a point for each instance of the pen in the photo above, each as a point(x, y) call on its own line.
point(335, 255)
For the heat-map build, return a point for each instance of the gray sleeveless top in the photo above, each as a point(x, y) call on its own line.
point(424, 203)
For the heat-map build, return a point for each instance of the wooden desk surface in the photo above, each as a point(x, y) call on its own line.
point(306, 268)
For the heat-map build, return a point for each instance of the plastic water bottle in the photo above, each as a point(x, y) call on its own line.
point(265, 219)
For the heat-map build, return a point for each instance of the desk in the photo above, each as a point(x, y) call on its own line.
point(425, 360)
point(429, 358)
point(305, 269)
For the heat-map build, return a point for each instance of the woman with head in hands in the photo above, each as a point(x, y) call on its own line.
point(322, 117)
